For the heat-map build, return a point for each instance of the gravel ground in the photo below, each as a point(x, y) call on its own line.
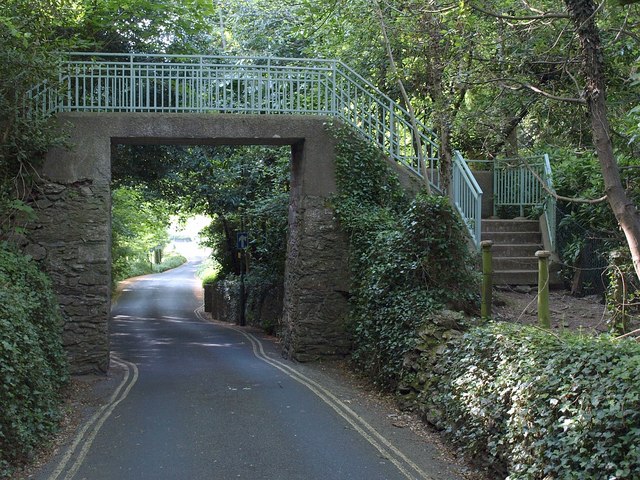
point(580, 314)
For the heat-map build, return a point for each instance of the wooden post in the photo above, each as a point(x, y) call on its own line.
point(544, 316)
point(620, 320)
point(487, 280)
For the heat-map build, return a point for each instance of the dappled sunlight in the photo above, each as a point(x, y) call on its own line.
point(214, 345)
point(131, 318)
point(177, 319)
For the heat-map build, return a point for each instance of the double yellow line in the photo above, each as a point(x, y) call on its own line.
point(77, 452)
point(407, 467)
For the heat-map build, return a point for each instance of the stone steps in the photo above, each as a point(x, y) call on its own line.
point(515, 277)
point(515, 243)
point(499, 225)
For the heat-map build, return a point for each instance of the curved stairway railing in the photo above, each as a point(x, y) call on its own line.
point(467, 196)
point(520, 183)
point(100, 82)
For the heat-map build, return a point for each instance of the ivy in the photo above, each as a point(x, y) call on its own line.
point(33, 365)
point(541, 406)
point(409, 257)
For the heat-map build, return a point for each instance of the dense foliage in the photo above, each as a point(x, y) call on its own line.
point(493, 78)
point(408, 257)
point(27, 46)
point(248, 190)
point(139, 227)
point(32, 361)
point(588, 232)
point(541, 405)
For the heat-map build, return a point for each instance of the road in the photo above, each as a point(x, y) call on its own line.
point(198, 399)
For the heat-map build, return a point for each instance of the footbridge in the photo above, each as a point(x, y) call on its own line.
point(110, 99)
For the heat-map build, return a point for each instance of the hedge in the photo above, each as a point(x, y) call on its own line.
point(33, 365)
point(541, 406)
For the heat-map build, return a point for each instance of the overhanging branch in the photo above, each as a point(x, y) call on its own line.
point(543, 16)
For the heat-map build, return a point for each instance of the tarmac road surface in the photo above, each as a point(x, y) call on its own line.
point(198, 399)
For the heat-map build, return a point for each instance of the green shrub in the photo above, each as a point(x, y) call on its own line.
point(541, 405)
point(408, 257)
point(33, 365)
point(209, 271)
point(169, 262)
point(210, 278)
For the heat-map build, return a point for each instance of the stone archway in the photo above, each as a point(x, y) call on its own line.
point(72, 235)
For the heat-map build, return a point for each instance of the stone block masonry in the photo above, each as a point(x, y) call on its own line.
point(316, 292)
point(71, 239)
point(72, 235)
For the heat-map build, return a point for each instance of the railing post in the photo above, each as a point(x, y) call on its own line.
point(544, 318)
point(200, 92)
point(334, 99)
point(496, 184)
point(269, 96)
point(487, 279)
point(133, 93)
point(478, 220)
point(392, 130)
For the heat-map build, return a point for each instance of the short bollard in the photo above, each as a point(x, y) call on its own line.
point(544, 317)
point(487, 280)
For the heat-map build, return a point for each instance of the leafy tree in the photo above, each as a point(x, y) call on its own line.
point(500, 77)
point(27, 54)
point(138, 227)
point(261, 27)
point(583, 16)
point(239, 187)
point(142, 26)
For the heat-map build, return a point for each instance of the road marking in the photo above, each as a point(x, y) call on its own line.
point(369, 433)
point(89, 431)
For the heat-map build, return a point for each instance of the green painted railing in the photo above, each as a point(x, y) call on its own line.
point(100, 82)
point(526, 182)
point(467, 196)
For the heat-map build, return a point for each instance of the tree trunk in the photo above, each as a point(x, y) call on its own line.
point(583, 14)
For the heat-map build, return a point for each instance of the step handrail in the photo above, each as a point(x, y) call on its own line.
point(467, 197)
point(527, 181)
point(549, 203)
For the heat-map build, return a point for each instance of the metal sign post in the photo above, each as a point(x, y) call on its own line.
point(242, 242)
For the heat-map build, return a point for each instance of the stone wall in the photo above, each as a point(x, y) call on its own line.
point(71, 239)
point(263, 307)
point(316, 283)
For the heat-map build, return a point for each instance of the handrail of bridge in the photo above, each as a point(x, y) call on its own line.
point(467, 196)
point(102, 82)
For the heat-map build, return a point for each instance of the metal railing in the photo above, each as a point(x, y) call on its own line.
point(550, 204)
point(99, 82)
point(520, 182)
point(467, 196)
point(516, 184)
